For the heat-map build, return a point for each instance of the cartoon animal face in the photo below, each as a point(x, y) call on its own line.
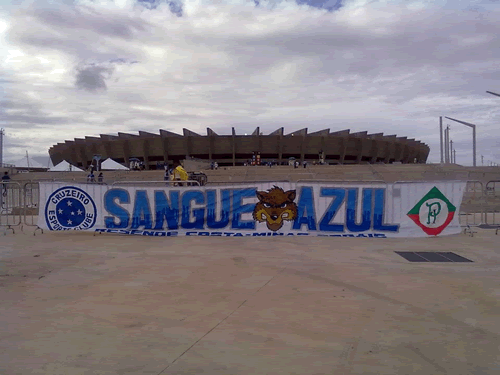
point(274, 207)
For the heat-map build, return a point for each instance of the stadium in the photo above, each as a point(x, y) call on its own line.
point(338, 147)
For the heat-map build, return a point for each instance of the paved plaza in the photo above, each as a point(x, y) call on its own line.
point(78, 304)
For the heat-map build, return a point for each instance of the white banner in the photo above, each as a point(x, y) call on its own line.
point(263, 209)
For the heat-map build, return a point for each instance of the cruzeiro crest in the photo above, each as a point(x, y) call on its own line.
point(433, 212)
point(70, 208)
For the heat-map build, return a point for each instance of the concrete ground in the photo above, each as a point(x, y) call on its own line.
point(74, 304)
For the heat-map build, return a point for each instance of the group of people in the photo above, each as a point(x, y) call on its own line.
point(296, 164)
point(91, 176)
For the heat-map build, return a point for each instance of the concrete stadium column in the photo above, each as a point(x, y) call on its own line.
point(387, 153)
point(360, 150)
point(323, 144)
point(279, 133)
point(406, 154)
point(71, 152)
point(80, 143)
point(107, 143)
point(402, 143)
point(280, 148)
point(390, 148)
point(145, 152)
point(233, 144)
point(107, 148)
point(413, 154)
point(189, 137)
point(256, 133)
point(165, 149)
point(166, 137)
point(303, 145)
point(211, 142)
point(374, 151)
point(345, 140)
point(126, 152)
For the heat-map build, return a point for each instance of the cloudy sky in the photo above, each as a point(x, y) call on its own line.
point(76, 68)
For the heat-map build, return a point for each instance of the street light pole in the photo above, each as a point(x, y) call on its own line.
point(451, 151)
point(492, 93)
point(441, 136)
point(447, 144)
point(473, 136)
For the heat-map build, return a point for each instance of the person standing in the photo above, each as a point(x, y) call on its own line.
point(100, 178)
point(5, 179)
point(180, 174)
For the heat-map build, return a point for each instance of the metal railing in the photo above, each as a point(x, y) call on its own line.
point(342, 181)
point(181, 183)
point(222, 183)
point(31, 203)
point(10, 203)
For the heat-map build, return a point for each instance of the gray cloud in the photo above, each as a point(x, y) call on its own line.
point(93, 78)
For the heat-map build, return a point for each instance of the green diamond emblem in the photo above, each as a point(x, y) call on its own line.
point(433, 212)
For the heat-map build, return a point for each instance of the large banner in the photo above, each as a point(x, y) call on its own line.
point(262, 209)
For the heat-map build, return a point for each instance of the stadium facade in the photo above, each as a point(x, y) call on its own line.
point(338, 147)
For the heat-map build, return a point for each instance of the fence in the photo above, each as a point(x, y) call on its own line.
point(20, 203)
point(11, 207)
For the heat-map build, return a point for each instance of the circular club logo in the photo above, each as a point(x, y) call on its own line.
point(433, 212)
point(70, 208)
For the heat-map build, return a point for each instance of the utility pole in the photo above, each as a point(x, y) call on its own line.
point(482, 160)
point(454, 156)
point(451, 151)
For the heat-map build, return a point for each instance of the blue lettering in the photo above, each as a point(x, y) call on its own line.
point(114, 209)
point(142, 211)
point(163, 210)
point(199, 213)
point(306, 206)
point(212, 207)
point(378, 213)
point(332, 209)
point(239, 209)
point(366, 210)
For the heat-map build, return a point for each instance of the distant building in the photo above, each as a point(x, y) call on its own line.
point(339, 147)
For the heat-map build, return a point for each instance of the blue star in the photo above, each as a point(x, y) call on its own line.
point(66, 209)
